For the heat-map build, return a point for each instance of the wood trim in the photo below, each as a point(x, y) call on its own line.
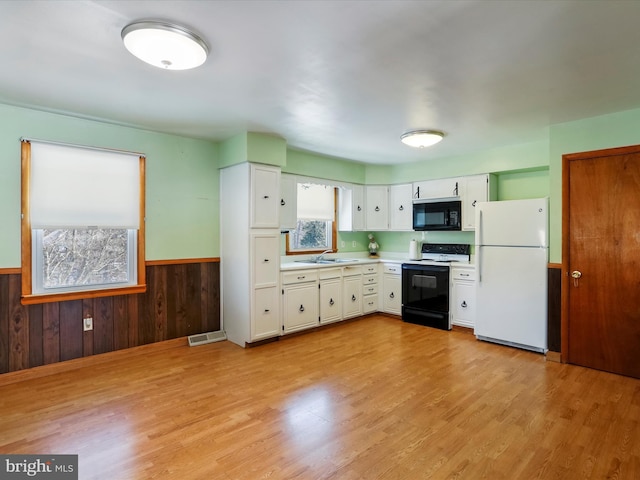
point(554, 265)
point(25, 243)
point(148, 263)
point(182, 261)
point(63, 297)
point(10, 271)
point(564, 293)
point(142, 280)
point(606, 152)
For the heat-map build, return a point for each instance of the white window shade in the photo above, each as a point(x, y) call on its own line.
point(315, 202)
point(75, 187)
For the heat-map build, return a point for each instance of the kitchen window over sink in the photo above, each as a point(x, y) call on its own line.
point(316, 226)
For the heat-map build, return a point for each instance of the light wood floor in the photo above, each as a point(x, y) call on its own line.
point(369, 399)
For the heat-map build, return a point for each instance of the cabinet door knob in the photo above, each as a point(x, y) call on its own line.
point(266, 310)
point(331, 302)
point(353, 298)
point(391, 295)
point(359, 208)
point(282, 202)
point(401, 208)
point(301, 308)
point(266, 260)
point(474, 203)
point(463, 304)
point(377, 209)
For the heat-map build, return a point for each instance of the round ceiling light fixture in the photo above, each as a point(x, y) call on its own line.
point(421, 138)
point(165, 45)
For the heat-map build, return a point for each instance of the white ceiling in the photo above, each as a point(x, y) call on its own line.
point(340, 78)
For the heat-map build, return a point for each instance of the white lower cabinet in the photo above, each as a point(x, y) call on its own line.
point(330, 295)
point(299, 300)
point(392, 288)
point(463, 296)
point(352, 292)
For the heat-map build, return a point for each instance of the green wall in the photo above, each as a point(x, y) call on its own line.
point(253, 147)
point(320, 166)
point(182, 181)
point(182, 176)
point(521, 157)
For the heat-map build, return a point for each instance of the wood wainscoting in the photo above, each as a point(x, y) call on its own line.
point(554, 310)
point(181, 299)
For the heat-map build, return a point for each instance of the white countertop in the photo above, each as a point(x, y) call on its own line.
point(297, 262)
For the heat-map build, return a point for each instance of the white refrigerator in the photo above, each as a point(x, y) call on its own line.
point(511, 252)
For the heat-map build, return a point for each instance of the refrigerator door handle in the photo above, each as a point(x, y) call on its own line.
point(479, 245)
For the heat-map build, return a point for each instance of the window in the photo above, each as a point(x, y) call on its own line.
point(82, 233)
point(316, 227)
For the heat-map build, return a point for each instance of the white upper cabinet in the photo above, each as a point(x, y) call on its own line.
point(440, 188)
point(351, 208)
point(288, 202)
point(400, 207)
point(265, 196)
point(474, 189)
point(377, 207)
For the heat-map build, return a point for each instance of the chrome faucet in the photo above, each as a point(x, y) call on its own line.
point(319, 257)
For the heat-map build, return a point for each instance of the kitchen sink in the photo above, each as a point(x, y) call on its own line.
point(327, 261)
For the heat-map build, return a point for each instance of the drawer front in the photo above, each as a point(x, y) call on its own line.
point(369, 279)
point(369, 304)
point(351, 270)
point(325, 273)
point(370, 289)
point(463, 274)
point(300, 276)
point(394, 268)
point(370, 269)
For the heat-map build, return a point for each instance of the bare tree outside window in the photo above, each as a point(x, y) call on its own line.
point(311, 235)
point(74, 257)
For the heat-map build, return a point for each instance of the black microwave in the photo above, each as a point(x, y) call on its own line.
point(437, 215)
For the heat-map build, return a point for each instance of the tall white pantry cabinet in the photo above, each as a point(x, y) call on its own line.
point(250, 251)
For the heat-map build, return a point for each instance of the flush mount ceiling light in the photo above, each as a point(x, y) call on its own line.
point(165, 45)
point(421, 138)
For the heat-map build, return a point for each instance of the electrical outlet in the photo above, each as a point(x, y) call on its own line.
point(87, 324)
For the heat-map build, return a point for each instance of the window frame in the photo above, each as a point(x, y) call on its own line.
point(334, 233)
point(30, 298)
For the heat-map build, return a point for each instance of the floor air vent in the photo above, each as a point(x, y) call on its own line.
point(203, 338)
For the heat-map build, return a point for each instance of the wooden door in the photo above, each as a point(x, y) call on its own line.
point(601, 232)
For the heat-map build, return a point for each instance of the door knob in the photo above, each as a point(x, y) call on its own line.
point(576, 274)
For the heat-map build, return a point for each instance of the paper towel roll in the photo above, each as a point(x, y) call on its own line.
point(413, 250)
